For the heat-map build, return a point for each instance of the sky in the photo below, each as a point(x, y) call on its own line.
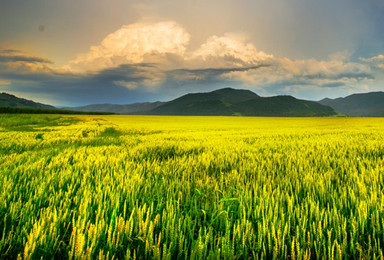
point(70, 53)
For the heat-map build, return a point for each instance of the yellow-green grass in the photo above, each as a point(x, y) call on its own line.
point(191, 187)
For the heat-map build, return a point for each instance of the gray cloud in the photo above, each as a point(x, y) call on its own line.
point(350, 75)
point(69, 88)
point(334, 85)
point(125, 71)
point(18, 58)
point(8, 51)
point(219, 71)
point(129, 83)
point(10, 55)
point(74, 89)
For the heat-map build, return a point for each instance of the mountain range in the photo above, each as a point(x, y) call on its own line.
point(231, 102)
point(366, 104)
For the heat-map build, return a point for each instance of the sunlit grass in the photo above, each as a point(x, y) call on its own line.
point(191, 187)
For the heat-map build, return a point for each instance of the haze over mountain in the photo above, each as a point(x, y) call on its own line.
point(366, 104)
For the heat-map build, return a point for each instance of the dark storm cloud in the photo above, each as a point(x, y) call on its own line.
point(79, 89)
point(134, 72)
point(123, 72)
point(205, 76)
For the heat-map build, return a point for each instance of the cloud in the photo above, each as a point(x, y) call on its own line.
point(377, 62)
point(227, 51)
point(9, 51)
point(149, 43)
point(126, 84)
point(16, 64)
point(149, 55)
point(378, 58)
point(135, 43)
point(155, 60)
point(207, 74)
point(4, 82)
point(131, 76)
point(312, 68)
point(19, 58)
point(114, 85)
point(9, 55)
point(311, 72)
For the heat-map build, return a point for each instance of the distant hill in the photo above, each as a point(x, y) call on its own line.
point(222, 102)
point(284, 106)
point(366, 105)
point(8, 100)
point(228, 101)
point(11, 104)
point(218, 102)
point(136, 108)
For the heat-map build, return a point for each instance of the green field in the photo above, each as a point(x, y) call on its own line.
point(191, 187)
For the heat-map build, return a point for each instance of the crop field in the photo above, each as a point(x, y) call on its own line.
point(147, 187)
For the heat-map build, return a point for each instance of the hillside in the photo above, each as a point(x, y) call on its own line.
point(136, 108)
point(283, 106)
point(10, 104)
point(222, 102)
point(8, 100)
point(227, 102)
point(367, 104)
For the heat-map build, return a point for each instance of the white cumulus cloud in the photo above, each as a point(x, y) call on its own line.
point(226, 57)
point(134, 43)
point(378, 58)
point(376, 61)
point(230, 50)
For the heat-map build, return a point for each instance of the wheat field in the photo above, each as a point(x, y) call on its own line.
point(153, 187)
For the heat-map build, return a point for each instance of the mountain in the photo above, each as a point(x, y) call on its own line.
point(217, 102)
point(367, 104)
point(284, 106)
point(136, 108)
point(222, 102)
point(8, 100)
point(228, 101)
